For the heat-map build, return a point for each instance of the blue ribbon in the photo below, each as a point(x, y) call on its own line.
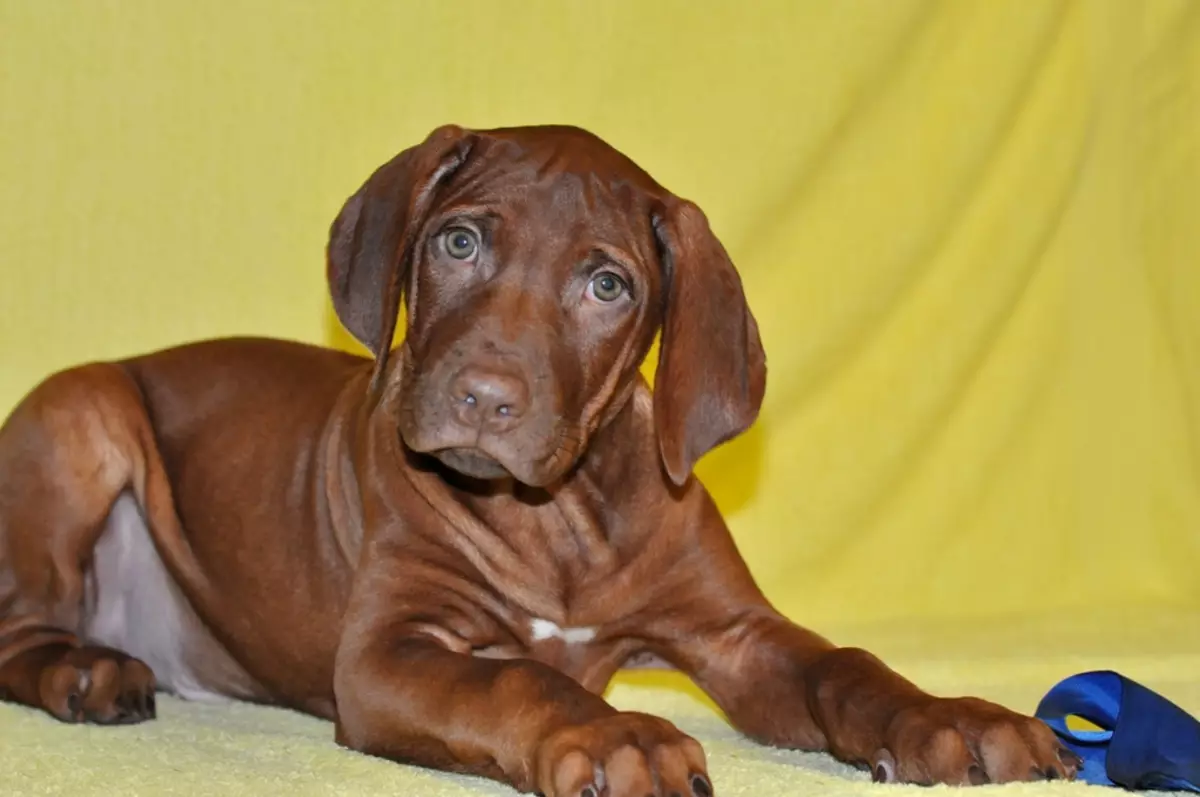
point(1145, 741)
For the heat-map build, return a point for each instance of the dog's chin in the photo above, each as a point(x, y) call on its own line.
point(488, 461)
point(473, 463)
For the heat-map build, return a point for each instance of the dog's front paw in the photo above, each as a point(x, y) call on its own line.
point(966, 741)
point(625, 755)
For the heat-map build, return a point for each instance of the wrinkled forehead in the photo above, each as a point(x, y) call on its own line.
point(556, 180)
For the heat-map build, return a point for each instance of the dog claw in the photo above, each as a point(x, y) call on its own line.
point(884, 770)
point(1070, 758)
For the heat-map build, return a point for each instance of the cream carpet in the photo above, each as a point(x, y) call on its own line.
point(195, 749)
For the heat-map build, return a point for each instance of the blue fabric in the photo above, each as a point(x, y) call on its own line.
point(1146, 741)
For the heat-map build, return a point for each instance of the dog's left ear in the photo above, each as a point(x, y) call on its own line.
point(371, 240)
point(712, 370)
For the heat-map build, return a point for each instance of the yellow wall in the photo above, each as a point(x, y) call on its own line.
point(970, 230)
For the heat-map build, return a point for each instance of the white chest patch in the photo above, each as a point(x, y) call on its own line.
point(544, 629)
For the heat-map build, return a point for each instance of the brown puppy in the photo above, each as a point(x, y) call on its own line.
point(449, 550)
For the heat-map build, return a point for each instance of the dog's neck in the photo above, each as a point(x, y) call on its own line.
point(543, 548)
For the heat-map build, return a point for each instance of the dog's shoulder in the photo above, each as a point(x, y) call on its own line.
point(266, 375)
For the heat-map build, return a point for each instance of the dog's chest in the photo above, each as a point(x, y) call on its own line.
point(541, 630)
point(541, 553)
point(541, 639)
point(561, 587)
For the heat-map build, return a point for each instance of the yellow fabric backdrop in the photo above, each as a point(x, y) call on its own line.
point(970, 231)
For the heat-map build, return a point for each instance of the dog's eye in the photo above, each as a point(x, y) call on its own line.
point(460, 243)
point(606, 287)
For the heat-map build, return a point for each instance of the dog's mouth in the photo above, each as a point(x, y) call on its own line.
point(472, 462)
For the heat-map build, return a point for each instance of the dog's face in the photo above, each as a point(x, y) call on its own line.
point(537, 264)
point(534, 292)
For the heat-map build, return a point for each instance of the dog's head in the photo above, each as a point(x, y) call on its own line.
point(536, 265)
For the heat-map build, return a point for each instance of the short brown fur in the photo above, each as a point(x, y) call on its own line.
point(384, 542)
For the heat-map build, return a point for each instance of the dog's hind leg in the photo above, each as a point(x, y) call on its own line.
point(69, 450)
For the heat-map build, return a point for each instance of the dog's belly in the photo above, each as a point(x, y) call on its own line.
point(132, 604)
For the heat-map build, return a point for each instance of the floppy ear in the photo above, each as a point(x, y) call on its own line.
point(371, 240)
point(712, 370)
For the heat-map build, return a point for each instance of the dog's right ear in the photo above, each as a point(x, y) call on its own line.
point(371, 240)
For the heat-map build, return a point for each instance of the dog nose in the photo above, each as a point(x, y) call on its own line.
point(487, 399)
